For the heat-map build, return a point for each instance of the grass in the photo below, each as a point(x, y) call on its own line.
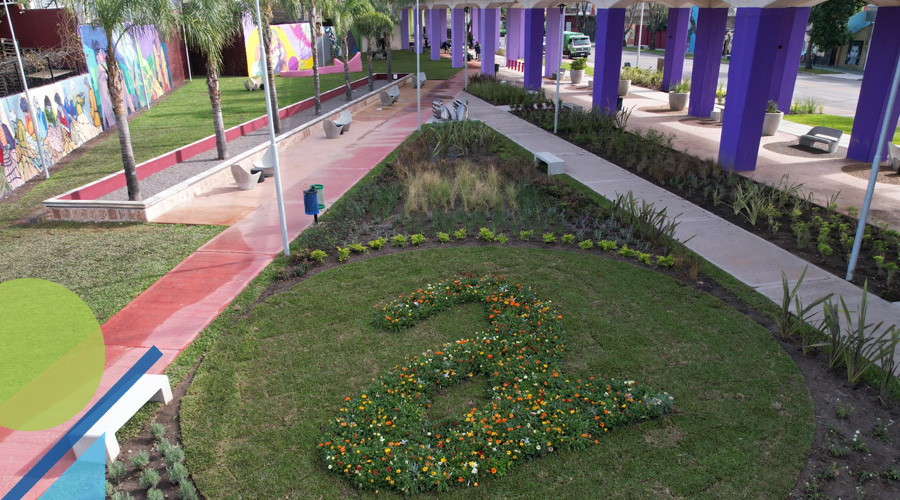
point(282, 371)
point(844, 123)
point(818, 71)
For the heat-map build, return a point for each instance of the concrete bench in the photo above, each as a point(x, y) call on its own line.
point(147, 388)
point(389, 96)
point(461, 108)
point(419, 80)
point(825, 135)
point(571, 107)
point(266, 164)
point(245, 180)
point(250, 86)
point(337, 127)
point(555, 164)
point(894, 155)
point(718, 113)
point(394, 93)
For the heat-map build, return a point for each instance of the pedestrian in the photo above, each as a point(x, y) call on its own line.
point(478, 51)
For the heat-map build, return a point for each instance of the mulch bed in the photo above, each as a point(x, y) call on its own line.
point(791, 148)
point(701, 122)
point(886, 175)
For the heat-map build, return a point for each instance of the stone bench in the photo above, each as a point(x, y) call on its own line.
point(337, 127)
point(147, 388)
point(571, 107)
point(894, 155)
point(555, 164)
point(825, 135)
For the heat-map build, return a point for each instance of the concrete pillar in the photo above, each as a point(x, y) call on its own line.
point(871, 108)
point(608, 58)
point(676, 45)
point(458, 36)
point(442, 25)
point(533, 47)
point(513, 17)
point(707, 59)
point(496, 28)
point(404, 29)
point(521, 35)
point(476, 23)
point(488, 47)
point(417, 31)
point(756, 35)
point(434, 33)
point(551, 58)
point(787, 59)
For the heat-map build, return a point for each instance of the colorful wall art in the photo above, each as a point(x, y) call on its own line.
point(290, 47)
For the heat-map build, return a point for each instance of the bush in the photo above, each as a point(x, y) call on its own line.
point(526, 235)
point(377, 244)
point(157, 430)
point(651, 79)
point(149, 479)
point(568, 239)
point(318, 256)
point(175, 456)
point(399, 240)
point(501, 238)
point(443, 237)
point(682, 87)
point(580, 63)
point(187, 491)
point(140, 460)
point(417, 239)
point(485, 234)
point(116, 470)
point(358, 248)
point(548, 238)
point(177, 473)
point(155, 494)
point(771, 107)
point(586, 245)
point(460, 235)
point(343, 254)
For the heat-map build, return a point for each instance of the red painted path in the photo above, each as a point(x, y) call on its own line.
point(174, 310)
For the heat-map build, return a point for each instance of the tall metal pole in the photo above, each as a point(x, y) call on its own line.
point(37, 133)
point(637, 63)
point(873, 175)
point(272, 147)
point(187, 56)
point(559, 65)
point(466, 49)
point(418, 26)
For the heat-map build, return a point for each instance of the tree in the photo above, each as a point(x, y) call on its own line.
point(265, 7)
point(829, 25)
point(117, 18)
point(371, 24)
point(209, 26)
point(657, 18)
point(343, 14)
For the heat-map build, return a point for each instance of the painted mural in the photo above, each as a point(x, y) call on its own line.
point(290, 47)
point(70, 112)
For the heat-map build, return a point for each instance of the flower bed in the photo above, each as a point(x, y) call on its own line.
point(383, 438)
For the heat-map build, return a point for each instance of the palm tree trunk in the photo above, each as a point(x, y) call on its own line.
point(212, 84)
point(387, 46)
point(346, 54)
point(314, 30)
point(270, 78)
point(809, 55)
point(370, 41)
point(118, 101)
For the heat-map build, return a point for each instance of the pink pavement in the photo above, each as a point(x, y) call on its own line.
point(174, 310)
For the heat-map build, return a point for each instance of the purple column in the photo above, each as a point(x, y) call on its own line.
point(434, 34)
point(496, 28)
point(489, 19)
point(551, 59)
point(442, 25)
point(521, 35)
point(756, 35)
point(476, 23)
point(513, 28)
point(707, 60)
point(873, 95)
point(676, 46)
point(404, 29)
point(458, 36)
point(787, 59)
point(533, 47)
point(608, 58)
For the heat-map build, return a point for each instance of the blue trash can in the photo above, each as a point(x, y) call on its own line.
point(311, 201)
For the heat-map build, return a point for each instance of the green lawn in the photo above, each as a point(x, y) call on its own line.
point(742, 427)
point(844, 123)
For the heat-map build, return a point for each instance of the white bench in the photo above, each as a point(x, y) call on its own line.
point(894, 155)
point(266, 164)
point(419, 80)
point(825, 135)
point(147, 388)
point(337, 127)
point(245, 180)
point(390, 96)
point(718, 113)
point(555, 164)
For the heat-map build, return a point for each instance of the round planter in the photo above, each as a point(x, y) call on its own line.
point(576, 75)
point(771, 123)
point(624, 87)
point(677, 102)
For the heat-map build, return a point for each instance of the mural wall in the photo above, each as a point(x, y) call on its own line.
point(70, 112)
point(290, 47)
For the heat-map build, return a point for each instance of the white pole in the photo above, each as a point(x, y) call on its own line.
point(273, 147)
point(187, 56)
point(873, 175)
point(559, 65)
point(466, 46)
point(418, 26)
point(37, 133)
point(640, 37)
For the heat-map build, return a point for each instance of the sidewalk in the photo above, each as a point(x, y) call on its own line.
point(174, 310)
point(752, 260)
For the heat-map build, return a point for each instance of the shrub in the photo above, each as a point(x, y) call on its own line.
point(377, 244)
point(417, 239)
point(157, 430)
point(140, 460)
point(607, 245)
point(460, 234)
point(568, 239)
point(399, 240)
point(358, 248)
point(343, 254)
point(501, 238)
point(177, 473)
point(682, 87)
point(109, 488)
point(548, 238)
point(485, 234)
point(175, 456)
point(121, 495)
point(149, 479)
point(443, 237)
point(667, 261)
point(807, 106)
point(771, 107)
point(526, 235)
point(155, 494)
point(318, 256)
point(187, 491)
point(116, 470)
point(586, 245)
point(580, 63)
point(163, 446)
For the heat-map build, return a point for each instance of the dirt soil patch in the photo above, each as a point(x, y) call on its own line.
point(886, 174)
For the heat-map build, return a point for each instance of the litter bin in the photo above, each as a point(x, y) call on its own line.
point(310, 201)
point(320, 195)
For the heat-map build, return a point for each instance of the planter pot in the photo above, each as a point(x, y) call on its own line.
point(576, 76)
point(677, 102)
point(624, 87)
point(771, 123)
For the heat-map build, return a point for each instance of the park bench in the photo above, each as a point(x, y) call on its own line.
point(555, 164)
point(825, 135)
point(250, 86)
point(245, 180)
point(458, 111)
point(337, 127)
point(419, 80)
point(390, 96)
point(266, 164)
point(461, 109)
point(894, 155)
point(147, 388)
point(571, 107)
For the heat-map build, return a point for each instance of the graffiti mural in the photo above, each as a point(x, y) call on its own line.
point(70, 112)
point(290, 47)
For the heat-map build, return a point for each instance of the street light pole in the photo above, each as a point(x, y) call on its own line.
point(637, 64)
point(562, 8)
point(272, 146)
point(466, 49)
point(37, 134)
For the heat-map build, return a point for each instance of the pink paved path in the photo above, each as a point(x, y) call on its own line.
point(174, 310)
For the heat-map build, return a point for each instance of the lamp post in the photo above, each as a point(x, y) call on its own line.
point(466, 50)
point(562, 7)
point(883, 137)
point(418, 26)
point(37, 134)
point(637, 63)
point(272, 146)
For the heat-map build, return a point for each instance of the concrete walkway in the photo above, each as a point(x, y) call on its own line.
point(174, 310)
point(745, 256)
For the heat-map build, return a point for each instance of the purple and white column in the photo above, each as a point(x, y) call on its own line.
point(707, 60)
point(607, 59)
point(434, 33)
point(676, 46)
point(458, 36)
point(442, 26)
point(533, 47)
point(488, 49)
point(871, 109)
point(514, 19)
point(551, 58)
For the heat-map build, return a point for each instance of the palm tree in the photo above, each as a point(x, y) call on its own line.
point(391, 8)
point(372, 24)
point(343, 14)
point(265, 7)
point(117, 18)
point(209, 26)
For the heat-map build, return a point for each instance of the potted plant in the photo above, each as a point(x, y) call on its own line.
point(624, 87)
point(720, 94)
point(678, 95)
point(577, 74)
point(772, 119)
